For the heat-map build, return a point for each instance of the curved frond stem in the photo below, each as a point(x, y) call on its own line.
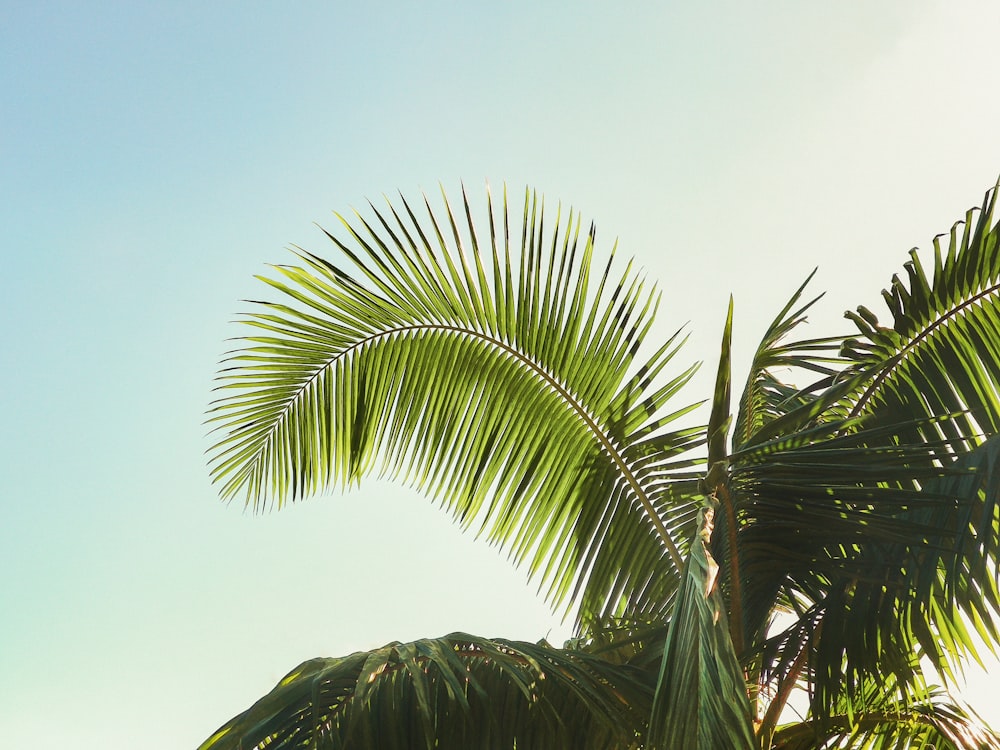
point(609, 447)
point(509, 387)
point(600, 435)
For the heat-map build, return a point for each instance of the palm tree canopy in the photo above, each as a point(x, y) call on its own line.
point(503, 372)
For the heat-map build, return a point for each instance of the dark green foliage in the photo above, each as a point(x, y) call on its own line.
point(449, 693)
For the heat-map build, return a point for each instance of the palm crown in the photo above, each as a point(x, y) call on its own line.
point(501, 368)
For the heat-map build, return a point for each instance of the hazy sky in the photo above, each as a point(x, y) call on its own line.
point(155, 156)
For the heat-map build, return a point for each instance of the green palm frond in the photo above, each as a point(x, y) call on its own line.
point(501, 372)
point(638, 642)
point(885, 724)
point(895, 546)
point(449, 693)
point(765, 396)
point(882, 713)
point(931, 378)
point(941, 355)
point(502, 376)
point(929, 594)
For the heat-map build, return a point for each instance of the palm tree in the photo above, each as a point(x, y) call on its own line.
point(838, 538)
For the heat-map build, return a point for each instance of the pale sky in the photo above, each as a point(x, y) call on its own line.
point(154, 157)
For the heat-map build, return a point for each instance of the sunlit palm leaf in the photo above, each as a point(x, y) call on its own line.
point(450, 693)
point(934, 376)
point(502, 379)
point(941, 355)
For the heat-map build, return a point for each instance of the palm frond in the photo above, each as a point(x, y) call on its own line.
point(890, 569)
point(501, 372)
point(621, 640)
point(765, 396)
point(941, 355)
point(506, 383)
point(935, 722)
point(449, 693)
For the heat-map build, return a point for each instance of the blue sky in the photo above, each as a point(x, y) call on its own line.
point(154, 157)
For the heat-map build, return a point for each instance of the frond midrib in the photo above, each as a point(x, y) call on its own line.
point(573, 403)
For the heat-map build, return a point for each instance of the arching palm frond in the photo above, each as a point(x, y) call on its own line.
point(941, 355)
point(935, 376)
point(449, 693)
point(932, 380)
point(508, 386)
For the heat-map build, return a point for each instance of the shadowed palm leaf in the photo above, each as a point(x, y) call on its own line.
point(699, 662)
point(873, 500)
point(449, 693)
point(885, 722)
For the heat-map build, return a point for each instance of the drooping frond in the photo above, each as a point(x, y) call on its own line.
point(501, 375)
point(933, 378)
point(838, 523)
point(450, 693)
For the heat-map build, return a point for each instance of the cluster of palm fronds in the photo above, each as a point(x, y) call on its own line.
point(502, 372)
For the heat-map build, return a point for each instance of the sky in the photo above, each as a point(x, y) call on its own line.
point(154, 157)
